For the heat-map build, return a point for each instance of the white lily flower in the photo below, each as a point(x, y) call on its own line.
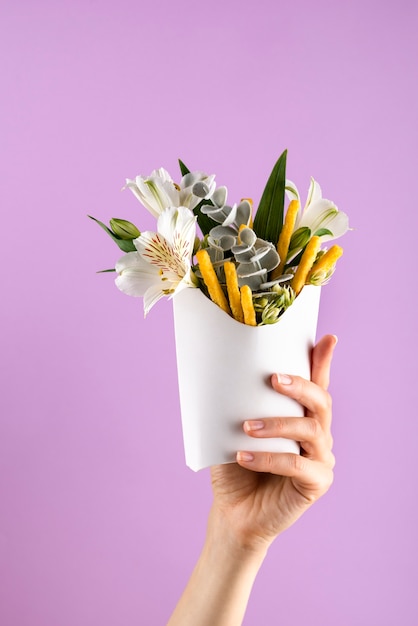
point(161, 266)
point(158, 191)
point(319, 217)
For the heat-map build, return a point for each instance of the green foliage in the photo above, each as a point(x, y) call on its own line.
point(323, 231)
point(183, 168)
point(268, 221)
point(126, 245)
point(123, 229)
point(205, 222)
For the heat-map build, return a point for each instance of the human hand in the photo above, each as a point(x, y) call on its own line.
point(264, 493)
point(258, 497)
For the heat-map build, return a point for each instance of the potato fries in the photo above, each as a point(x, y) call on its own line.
point(285, 236)
point(305, 265)
point(211, 281)
point(248, 306)
point(233, 291)
point(327, 261)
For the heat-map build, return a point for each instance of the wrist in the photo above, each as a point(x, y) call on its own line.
point(221, 582)
point(237, 544)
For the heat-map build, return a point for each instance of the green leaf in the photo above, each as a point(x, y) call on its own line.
point(323, 231)
point(124, 244)
point(268, 221)
point(104, 271)
point(296, 260)
point(183, 168)
point(205, 222)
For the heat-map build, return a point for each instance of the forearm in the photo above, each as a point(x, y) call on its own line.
point(220, 585)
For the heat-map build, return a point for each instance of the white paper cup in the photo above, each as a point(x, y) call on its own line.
point(224, 369)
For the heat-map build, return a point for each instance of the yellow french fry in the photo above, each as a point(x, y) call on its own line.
point(305, 265)
point(327, 261)
point(233, 291)
point(248, 306)
point(211, 281)
point(285, 236)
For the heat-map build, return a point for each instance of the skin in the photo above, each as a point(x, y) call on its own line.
point(260, 496)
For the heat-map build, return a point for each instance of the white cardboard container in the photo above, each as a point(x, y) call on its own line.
point(224, 369)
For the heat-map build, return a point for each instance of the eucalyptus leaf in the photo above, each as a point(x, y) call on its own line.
point(268, 221)
point(104, 271)
point(126, 245)
point(183, 168)
point(205, 222)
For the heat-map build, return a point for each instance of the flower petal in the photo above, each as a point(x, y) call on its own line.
point(151, 296)
point(135, 274)
point(324, 214)
point(156, 192)
point(291, 190)
point(178, 226)
point(314, 193)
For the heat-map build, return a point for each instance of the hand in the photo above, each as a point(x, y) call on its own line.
point(258, 497)
point(264, 493)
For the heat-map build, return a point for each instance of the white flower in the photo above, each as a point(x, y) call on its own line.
point(158, 191)
point(319, 217)
point(161, 266)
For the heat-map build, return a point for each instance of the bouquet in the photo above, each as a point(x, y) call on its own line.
point(229, 269)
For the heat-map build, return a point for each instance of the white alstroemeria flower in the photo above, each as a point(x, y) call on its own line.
point(319, 217)
point(158, 191)
point(161, 266)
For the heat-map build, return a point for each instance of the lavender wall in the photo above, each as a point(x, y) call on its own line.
point(100, 520)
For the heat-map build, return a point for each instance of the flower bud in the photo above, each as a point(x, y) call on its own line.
point(271, 315)
point(124, 229)
point(320, 277)
point(300, 238)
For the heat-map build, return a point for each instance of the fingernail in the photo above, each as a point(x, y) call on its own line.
point(284, 379)
point(336, 339)
point(253, 425)
point(245, 456)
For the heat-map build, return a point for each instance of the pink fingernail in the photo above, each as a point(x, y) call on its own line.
point(245, 456)
point(253, 425)
point(284, 379)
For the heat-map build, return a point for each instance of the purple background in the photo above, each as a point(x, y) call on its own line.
point(100, 520)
